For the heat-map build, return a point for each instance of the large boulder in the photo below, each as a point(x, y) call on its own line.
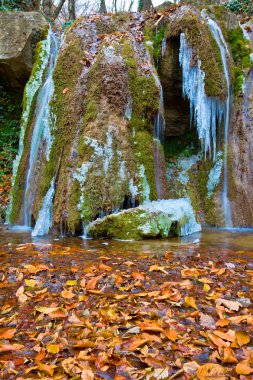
point(154, 219)
point(19, 34)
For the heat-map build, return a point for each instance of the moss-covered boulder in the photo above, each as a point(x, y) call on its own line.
point(159, 219)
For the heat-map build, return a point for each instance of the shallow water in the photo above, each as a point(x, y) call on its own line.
point(211, 240)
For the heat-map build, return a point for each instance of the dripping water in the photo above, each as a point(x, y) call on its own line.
point(158, 135)
point(217, 33)
point(41, 130)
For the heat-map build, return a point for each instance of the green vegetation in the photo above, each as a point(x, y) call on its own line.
point(244, 7)
point(241, 56)
point(10, 115)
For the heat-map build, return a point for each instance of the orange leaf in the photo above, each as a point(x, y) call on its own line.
point(67, 294)
point(230, 335)
point(58, 314)
point(229, 356)
point(150, 326)
point(49, 369)
point(138, 276)
point(134, 343)
point(40, 356)
point(190, 272)
point(216, 340)
point(65, 90)
point(105, 267)
point(7, 333)
point(171, 334)
point(211, 371)
point(11, 347)
point(93, 282)
point(242, 338)
point(243, 368)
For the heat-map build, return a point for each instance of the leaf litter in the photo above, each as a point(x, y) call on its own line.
point(87, 315)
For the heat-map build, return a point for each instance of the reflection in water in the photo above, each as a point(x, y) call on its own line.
point(214, 241)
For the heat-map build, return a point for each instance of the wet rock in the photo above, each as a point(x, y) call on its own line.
point(19, 34)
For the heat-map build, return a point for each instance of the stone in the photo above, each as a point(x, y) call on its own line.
point(157, 219)
point(19, 34)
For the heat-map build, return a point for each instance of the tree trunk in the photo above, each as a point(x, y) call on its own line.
point(102, 8)
point(58, 9)
point(47, 7)
point(72, 9)
point(145, 5)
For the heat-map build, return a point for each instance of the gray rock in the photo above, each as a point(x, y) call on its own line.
point(19, 34)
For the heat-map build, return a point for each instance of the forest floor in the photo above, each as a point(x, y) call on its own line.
point(76, 313)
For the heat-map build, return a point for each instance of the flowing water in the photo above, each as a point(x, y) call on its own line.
point(158, 133)
point(217, 33)
point(41, 130)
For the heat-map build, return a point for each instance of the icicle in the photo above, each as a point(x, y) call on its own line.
point(205, 111)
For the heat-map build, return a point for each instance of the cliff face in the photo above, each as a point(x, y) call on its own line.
point(93, 149)
point(241, 152)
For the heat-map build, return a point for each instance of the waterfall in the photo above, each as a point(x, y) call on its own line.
point(205, 110)
point(41, 130)
point(158, 133)
point(218, 36)
point(45, 218)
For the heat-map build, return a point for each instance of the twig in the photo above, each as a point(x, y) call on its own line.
point(160, 19)
point(176, 374)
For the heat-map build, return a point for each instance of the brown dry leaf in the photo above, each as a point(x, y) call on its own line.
point(190, 301)
point(134, 343)
point(93, 282)
point(229, 356)
point(206, 321)
point(67, 294)
point(20, 294)
point(231, 305)
point(190, 272)
point(104, 267)
point(58, 314)
point(217, 341)
point(150, 326)
point(171, 334)
point(157, 268)
point(190, 367)
point(238, 318)
point(242, 338)
point(7, 333)
point(87, 373)
point(65, 90)
point(49, 369)
point(138, 276)
point(243, 368)
point(11, 347)
point(211, 371)
point(230, 335)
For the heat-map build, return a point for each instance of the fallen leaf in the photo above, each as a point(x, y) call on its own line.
point(171, 334)
point(229, 356)
point(190, 301)
point(92, 283)
point(53, 348)
point(49, 369)
point(7, 333)
point(243, 368)
point(87, 373)
point(231, 305)
point(190, 272)
point(242, 338)
point(206, 321)
point(67, 294)
point(65, 90)
point(31, 283)
point(211, 371)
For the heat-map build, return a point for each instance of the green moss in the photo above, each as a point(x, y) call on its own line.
point(144, 156)
point(241, 56)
